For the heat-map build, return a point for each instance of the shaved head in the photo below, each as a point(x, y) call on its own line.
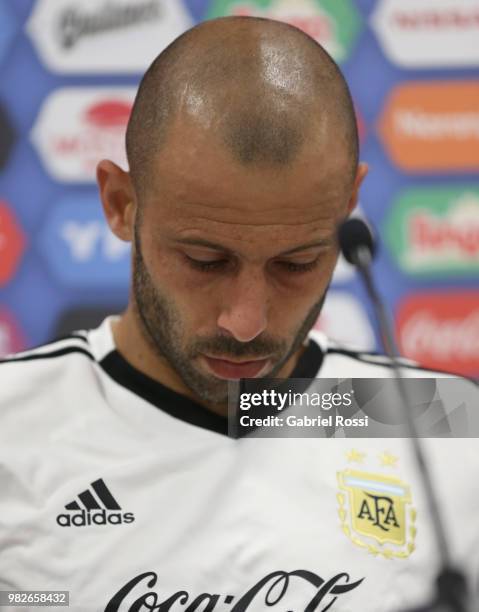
point(261, 87)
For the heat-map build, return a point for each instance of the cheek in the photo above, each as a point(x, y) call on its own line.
point(167, 279)
point(193, 302)
point(290, 306)
point(166, 271)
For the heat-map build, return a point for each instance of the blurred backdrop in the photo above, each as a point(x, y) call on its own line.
point(68, 75)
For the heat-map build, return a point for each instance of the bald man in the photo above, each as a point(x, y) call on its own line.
point(119, 482)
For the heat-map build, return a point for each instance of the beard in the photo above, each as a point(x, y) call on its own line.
point(163, 329)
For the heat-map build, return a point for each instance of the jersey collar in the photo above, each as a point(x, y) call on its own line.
point(182, 407)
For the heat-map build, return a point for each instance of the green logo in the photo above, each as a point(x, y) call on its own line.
point(435, 231)
point(335, 24)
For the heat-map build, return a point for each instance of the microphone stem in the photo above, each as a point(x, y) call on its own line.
point(363, 259)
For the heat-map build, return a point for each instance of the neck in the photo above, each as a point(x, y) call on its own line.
point(131, 343)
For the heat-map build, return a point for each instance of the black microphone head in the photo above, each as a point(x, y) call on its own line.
point(354, 234)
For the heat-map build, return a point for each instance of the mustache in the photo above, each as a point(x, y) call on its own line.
point(259, 347)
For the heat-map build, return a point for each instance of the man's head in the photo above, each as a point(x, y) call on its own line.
point(261, 86)
point(243, 155)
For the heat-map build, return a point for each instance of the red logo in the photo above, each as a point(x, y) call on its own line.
point(429, 233)
point(111, 113)
point(318, 26)
point(12, 243)
point(441, 331)
point(11, 337)
point(78, 126)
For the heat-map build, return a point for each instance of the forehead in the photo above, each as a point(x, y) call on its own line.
point(197, 186)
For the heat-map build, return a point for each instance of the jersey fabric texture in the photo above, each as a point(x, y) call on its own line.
point(133, 498)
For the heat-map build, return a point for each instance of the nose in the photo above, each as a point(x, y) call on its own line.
point(244, 315)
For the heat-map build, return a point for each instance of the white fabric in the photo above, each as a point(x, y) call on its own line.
point(212, 515)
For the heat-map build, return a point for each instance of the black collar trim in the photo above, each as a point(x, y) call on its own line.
point(182, 407)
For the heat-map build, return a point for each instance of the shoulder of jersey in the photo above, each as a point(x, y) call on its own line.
point(29, 367)
point(41, 391)
point(76, 342)
point(347, 362)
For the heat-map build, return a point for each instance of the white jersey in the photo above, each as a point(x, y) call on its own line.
point(132, 498)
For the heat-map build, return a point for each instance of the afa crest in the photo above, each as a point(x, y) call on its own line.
point(376, 513)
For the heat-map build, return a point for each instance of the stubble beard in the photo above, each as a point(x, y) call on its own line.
point(162, 329)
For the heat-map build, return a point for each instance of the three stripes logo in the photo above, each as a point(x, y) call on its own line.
point(95, 507)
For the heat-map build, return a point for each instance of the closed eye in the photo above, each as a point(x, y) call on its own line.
point(217, 264)
point(206, 266)
point(291, 266)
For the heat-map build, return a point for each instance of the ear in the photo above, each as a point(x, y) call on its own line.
point(118, 199)
point(360, 176)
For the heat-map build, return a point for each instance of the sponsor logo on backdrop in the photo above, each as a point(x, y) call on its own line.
point(433, 126)
point(8, 28)
point(441, 330)
point(12, 243)
point(77, 127)
point(12, 339)
point(435, 230)
point(75, 23)
point(80, 248)
point(429, 33)
point(105, 35)
point(335, 25)
point(7, 136)
point(342, 313)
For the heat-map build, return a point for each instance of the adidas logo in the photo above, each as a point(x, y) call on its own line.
point(99, 508)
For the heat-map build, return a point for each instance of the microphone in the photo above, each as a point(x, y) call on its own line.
point(358, 248)
point(356, 241)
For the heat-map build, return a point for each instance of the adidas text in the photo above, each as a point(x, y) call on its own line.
point(99, 517)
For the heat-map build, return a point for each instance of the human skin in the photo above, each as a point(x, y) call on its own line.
point(253, 302)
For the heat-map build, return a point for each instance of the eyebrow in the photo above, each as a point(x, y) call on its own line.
point(218, 247)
